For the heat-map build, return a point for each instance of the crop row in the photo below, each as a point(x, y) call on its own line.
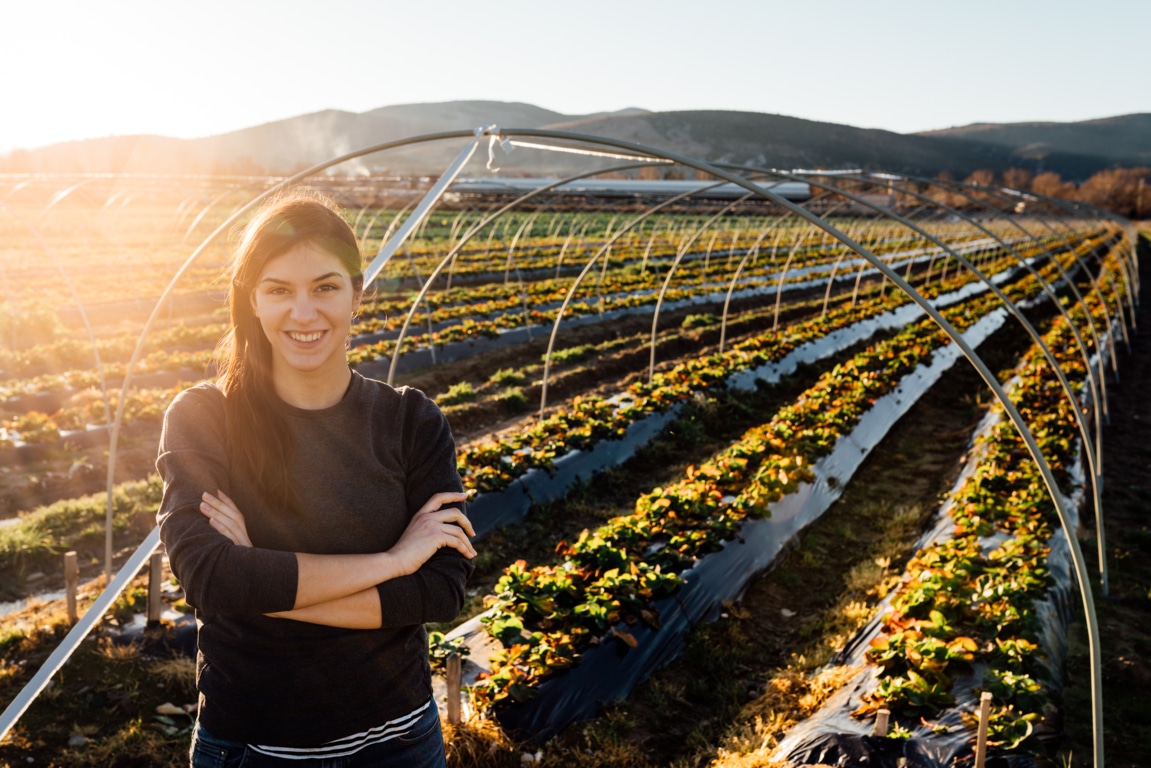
point(522, 315)
point(167, 349)
point(85, 411)
point(492, 466)
point(620, 262)
point(472, 313)
point(545, 615)
point(538, 254)
point(971, 600)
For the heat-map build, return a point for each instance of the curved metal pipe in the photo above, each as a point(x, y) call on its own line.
point(798, 245)
point(1098, 385)
point(1095, 338)
point(450, 257)
point(204, 212)
point(831, 277)
point(1131, 263)
point(671, 272)
point(751, 252)
point(368, 227)
point(957, 338)
point(564, 248)
point(579, 278)
point(1091, 446)
point(1094, 283)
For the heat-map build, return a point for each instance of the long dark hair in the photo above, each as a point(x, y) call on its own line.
point(261, 442)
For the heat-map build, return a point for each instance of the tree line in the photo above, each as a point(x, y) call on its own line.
point(1125, 191)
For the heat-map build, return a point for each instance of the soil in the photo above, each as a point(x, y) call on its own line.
point(67, 473)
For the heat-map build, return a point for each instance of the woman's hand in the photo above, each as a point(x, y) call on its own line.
point(225, 517)
point(431, 528)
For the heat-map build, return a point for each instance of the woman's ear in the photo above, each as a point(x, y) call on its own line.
point(252, 301)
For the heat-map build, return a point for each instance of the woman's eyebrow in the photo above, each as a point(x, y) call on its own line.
point(321, 278)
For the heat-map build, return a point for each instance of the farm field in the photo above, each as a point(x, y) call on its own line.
point(736, 460)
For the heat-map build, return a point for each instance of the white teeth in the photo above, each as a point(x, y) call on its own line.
point(306, 337)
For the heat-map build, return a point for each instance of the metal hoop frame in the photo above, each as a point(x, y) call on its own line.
point(495, 134)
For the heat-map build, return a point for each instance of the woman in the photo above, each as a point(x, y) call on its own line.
point(313, 517)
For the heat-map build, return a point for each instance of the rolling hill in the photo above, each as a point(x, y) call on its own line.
point(1075, 150)
point(1124, 140)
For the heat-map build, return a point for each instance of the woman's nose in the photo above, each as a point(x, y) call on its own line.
point(303, 308)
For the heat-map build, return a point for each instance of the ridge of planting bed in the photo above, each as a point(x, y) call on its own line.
point(491, 510)
point(486, 335)
point(609, 670)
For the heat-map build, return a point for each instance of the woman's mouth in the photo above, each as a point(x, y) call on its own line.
point(305, 338)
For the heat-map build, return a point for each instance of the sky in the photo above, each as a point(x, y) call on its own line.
point(74, 69)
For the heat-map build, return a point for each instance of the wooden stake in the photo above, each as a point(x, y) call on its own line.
point(882, 718)
point(155, 580)
point(71, 584)
point(454, 688)
point(981, 739)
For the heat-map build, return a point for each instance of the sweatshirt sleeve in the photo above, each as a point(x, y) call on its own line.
point(434, 593)
point(218, 576)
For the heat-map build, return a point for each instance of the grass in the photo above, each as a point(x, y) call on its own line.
point(45, 533)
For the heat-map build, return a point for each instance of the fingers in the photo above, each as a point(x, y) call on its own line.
point(453, 515)
point(223, 515)
point(223, 527)
point(458, 540)
point(440, 499)
point(218, 508)
point(450, 515)
point(436, 526)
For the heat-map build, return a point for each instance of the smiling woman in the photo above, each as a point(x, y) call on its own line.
point(313, 517)
point(304, 301)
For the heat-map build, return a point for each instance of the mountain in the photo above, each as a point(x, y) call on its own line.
point(778, 141)
point(1124, 140)
point(1075, 150)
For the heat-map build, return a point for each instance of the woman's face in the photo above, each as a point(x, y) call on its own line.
point(304, 300)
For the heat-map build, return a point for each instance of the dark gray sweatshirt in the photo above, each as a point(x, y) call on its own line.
point(362, 468)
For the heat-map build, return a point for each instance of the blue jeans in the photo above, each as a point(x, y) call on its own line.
point(422, 747)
